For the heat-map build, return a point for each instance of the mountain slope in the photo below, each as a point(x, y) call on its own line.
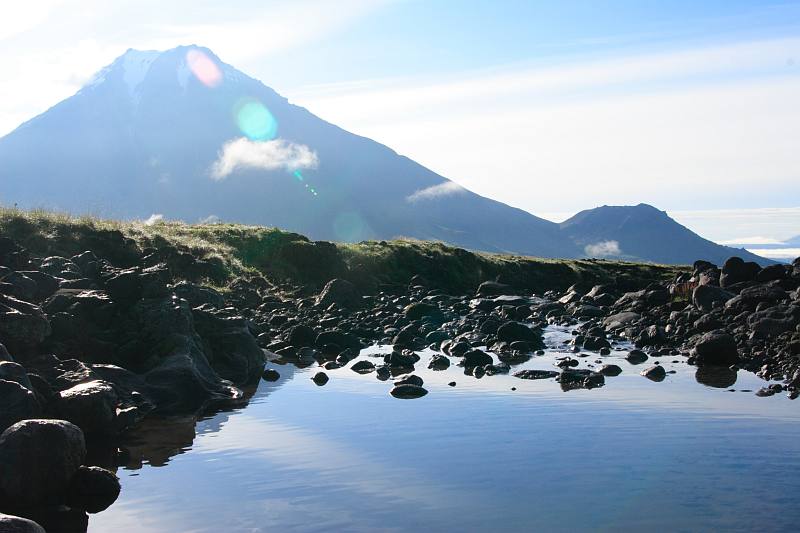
point(144, 136)
point(642, 232)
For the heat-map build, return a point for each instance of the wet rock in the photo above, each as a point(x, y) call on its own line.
point(439, 362)
point(92, 489)
point(340, 292)
point(363, 367)
point(567, 362)
point(16, 524)
point(536, 374)
point(16, 403)
point(610, 370)
point(90, 406)
point(636, 357)
point(270, 375)
point(332, 365)
point(517, 331)
point(339, 338)
point(654, 373)
point(399, 360)
point(715, 348)
point(410, 380)
point(38, 459)
point(475, 358)
point(407, 392)
point(320, 378)
point(580, 379)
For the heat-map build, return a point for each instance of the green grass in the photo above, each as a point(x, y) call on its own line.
point(249, 250)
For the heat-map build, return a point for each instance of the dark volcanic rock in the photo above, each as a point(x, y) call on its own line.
point(92, 489)
point(517, 331)
point(475, 358)
point(91, 406)
point(610, 370)
point(38, 459)
point(636, 357)
point(439, 362)
point(16, 524)
point(536, 374)
point(363, 367)
point(320, 378)
point(340, 292)
point(704, 297)
point(16, 403)
point(408, 391)
point(270, 375)
point(654, 373)
point(420, 310)
point(580, 379)
point(716, 348)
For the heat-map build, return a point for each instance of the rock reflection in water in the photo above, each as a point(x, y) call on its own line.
point(720, 377)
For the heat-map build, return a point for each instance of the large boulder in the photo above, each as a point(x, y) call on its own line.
point(23, 326)
point(93, 489)
point(736, 270)
point(230, 346)
point(91, 406)
point(621, 320)
point(340, 292)
point(38, 459)
point(494, 288)
point(16, 403)
point(716, 348)
point(517, 331)
point(16, 524)
point(705, 297)
point(419, 310)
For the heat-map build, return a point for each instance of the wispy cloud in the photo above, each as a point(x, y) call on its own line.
point(153, 219)
point(436, 191)
point(717, 120)
point(243, 153)
point(603, 249)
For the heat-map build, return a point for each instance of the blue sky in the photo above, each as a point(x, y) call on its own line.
point(553, 106)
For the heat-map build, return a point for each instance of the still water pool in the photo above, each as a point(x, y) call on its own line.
point(634, 455)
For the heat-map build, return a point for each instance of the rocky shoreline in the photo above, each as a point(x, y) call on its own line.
point(92, 344)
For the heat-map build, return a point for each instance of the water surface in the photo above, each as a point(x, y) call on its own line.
point(633, 455)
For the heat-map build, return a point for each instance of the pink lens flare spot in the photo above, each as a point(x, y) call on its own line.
point(204, 68)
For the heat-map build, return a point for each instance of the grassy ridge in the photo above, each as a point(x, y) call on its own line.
point(239, 250)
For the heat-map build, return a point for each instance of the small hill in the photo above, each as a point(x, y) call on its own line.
point(642, 232)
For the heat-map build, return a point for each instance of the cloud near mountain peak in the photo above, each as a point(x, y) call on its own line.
point(242, 153)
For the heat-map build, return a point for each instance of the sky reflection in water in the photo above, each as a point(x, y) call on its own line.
point(632, 455)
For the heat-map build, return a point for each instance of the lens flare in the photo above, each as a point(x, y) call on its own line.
point(204, 68)
point(255, 121)
point(350, 227)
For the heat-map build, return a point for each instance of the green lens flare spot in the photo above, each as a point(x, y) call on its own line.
point(255, 121)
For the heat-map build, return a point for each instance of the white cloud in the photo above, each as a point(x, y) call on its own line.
point(210, 219)
point(779, 253)
point(436, 191)
point(603, 249)
point(706, 127)
point(242, 153)
point(153, 220)
point(750, 240)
